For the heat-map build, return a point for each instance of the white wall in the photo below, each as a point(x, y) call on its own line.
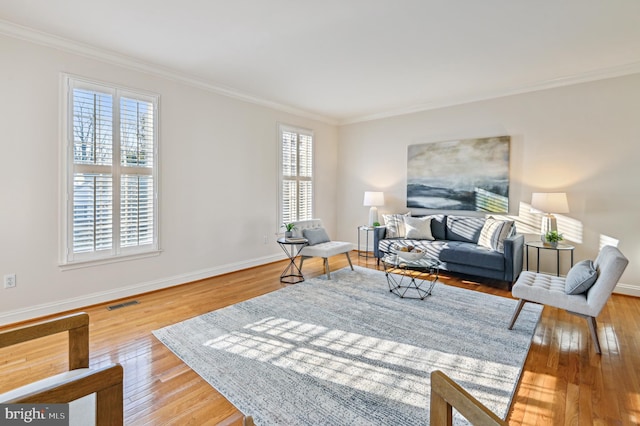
point(218, 178)
point(583, 140)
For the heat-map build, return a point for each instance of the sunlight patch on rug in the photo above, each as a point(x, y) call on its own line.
point(346, 371)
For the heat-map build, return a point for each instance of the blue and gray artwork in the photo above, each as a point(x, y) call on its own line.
point(469, 174)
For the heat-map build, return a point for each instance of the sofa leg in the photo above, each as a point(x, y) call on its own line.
point(349, 259)
point(516, 313)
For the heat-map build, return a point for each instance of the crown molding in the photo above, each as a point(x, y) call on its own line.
point(600, 74)
point(31, 35)
point(13, 30)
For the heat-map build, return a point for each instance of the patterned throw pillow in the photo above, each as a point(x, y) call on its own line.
point(418, 228)
point(494, 233)
point(395, 225)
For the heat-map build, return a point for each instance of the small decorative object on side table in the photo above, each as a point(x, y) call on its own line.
point(552, 238)
point(404, 274)
point(292, 246)
point(289, 229)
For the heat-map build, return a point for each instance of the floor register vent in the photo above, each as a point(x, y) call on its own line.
point(123, 305)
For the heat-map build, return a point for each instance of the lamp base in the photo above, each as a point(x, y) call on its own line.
point(373, 215)
point(548, 224)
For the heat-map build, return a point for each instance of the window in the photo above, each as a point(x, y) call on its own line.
point(110, 166)
point(296, 174)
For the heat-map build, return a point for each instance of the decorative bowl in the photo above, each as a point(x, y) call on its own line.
point(410, 256)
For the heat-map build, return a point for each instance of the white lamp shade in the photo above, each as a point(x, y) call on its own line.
point(373, 198)
point(550, 202)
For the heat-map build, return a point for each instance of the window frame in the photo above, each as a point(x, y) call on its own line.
point(282, 128)
point(67, 258)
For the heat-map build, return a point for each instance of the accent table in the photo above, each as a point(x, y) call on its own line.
point(540, 245)
point(292, 247)
point(410, 275)
point(366, 229)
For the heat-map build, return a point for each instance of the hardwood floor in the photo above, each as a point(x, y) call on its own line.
point(563, 382)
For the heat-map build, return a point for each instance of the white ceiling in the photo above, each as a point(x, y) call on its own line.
point(350, 60)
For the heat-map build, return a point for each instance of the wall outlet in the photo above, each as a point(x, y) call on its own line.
point(266, 240)
point(9, 280)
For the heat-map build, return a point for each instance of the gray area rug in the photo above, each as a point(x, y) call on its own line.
point(346, 351)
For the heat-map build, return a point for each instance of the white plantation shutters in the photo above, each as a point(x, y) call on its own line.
point(111, 203)
point(92, 190)
point(137, 205)
point(296, 174)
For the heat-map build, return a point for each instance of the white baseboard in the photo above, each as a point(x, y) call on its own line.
point(628, 289)
point(123, 292)
point(133, 290)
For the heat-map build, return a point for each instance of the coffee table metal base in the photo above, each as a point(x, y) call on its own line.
point(409, 284)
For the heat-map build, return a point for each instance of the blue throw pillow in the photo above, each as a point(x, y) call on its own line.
point(580, 277)
point(315, 235)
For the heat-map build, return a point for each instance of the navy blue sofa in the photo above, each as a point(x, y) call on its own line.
point(455, 245)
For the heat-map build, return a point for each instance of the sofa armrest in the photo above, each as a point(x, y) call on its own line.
point(513, 257)
point(379, 233)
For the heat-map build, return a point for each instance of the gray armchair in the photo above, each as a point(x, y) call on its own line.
point(550, 290)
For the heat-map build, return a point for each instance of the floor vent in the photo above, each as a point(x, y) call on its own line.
point(123, 305)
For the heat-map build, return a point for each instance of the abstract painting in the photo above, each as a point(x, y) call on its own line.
point(468, 174)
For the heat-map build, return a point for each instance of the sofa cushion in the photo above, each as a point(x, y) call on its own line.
point(395, 225)
point(472, 255)
point(494, 232)
point(439, 226)
point(452, 252)
point(316, 235)
point(464, 228)
point(580, 277)
point(418, 228)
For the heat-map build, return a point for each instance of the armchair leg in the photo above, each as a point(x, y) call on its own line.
point(593, 327)
point(349, 259)
point(326, 267)
point(516, 313)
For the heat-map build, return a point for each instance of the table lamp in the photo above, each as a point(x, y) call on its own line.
point(373, 199)
point(549, 203)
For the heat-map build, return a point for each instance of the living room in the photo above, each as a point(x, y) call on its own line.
point(575, 131)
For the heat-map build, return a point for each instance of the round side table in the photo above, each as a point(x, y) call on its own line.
point(540, 245)
point(292, 247)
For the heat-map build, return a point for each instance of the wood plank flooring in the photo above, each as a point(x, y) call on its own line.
point(564, 382)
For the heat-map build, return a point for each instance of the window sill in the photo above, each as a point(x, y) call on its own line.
point(105, 261)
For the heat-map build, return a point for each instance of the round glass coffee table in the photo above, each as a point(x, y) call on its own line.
point(411, 279)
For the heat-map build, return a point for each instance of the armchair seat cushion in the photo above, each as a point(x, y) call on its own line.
point(41, 384)
point(82, 411)
point(327, 249)
point(548, 290)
